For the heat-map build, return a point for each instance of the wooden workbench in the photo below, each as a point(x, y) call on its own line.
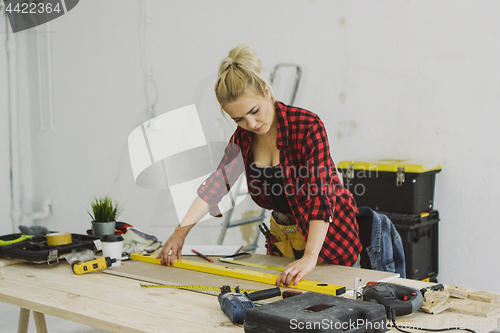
point(118, 304)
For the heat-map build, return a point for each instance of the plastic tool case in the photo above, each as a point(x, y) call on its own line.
point(396, 186)
point(419, 233)
point(315, 312)
point(37, 250)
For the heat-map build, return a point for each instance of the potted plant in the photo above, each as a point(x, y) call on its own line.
point(104, 215)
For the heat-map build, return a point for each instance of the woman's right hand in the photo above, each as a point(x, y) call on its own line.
point(174, 246)
point(198, 209)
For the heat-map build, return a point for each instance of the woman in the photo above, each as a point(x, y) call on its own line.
point(288, 169)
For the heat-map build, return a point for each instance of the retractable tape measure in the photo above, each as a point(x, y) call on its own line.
point(194, 287)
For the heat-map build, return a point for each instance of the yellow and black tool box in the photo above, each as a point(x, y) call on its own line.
point(36, 249)
point(396, 186)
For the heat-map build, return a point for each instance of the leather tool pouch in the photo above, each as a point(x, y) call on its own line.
point(290, 242)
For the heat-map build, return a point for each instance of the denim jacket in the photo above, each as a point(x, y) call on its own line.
point(386, 249)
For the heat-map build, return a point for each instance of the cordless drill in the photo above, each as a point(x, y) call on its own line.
point(234, 305)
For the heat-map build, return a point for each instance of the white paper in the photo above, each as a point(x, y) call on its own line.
point(211, 250)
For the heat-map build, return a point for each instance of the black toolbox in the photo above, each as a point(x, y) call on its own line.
point(36, 249)
point(315, 312)
point(419, 233)
point(396, 186)
point(12, 239)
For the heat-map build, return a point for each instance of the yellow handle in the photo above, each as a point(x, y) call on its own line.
point(89, 266)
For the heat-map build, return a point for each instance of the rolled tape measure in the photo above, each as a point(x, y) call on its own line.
point(58, 238)
point(194, 287)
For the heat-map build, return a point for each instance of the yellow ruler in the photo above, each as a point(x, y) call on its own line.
point(195, 287)
point(249, 264)
point(243, 274)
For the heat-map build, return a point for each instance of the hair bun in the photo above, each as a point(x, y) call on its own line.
point(244, 57)
point(239, 72)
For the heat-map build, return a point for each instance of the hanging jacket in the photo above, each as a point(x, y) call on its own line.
point(386, 248)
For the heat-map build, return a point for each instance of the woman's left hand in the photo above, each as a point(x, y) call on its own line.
point(296, 270)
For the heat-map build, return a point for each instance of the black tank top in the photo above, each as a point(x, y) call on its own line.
point(271, 183)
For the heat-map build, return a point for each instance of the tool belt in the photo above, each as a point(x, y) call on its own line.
point(289, 242)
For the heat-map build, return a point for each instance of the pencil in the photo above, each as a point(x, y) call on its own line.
point(201, 255)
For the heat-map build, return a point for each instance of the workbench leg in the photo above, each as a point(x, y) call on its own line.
point(41, 326)
point(24, 319)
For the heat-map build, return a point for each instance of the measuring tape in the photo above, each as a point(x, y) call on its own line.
point(215, 291)
point(193, 287)
point(243, 274)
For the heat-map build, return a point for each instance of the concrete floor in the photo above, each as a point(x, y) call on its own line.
point(9, 319)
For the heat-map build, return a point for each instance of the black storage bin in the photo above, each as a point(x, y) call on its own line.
point(419, 233)
point(391, 185)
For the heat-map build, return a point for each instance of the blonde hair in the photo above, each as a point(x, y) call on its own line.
point(239, 72)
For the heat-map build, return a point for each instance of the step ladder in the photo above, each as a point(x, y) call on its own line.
point(241, 188)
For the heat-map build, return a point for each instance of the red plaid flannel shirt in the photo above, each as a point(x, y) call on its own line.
point(310, 179)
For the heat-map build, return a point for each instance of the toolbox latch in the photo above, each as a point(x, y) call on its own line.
point(350, 172)
point(400, 176)
point(53, 256)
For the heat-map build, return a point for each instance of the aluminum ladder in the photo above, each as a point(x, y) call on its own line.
point(241, 190)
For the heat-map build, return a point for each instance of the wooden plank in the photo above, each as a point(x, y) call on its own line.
point(484, 296)
point(146, 272)
point(334, 274)
point(417, 284)
point(457, 292)
point(150, 275)
point(435, 306)
point(436, 295)
point(476, 308)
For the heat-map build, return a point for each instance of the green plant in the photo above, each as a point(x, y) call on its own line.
point(104, 210)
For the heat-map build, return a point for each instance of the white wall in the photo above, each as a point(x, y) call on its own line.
point(5, 194)
point(390, 79)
